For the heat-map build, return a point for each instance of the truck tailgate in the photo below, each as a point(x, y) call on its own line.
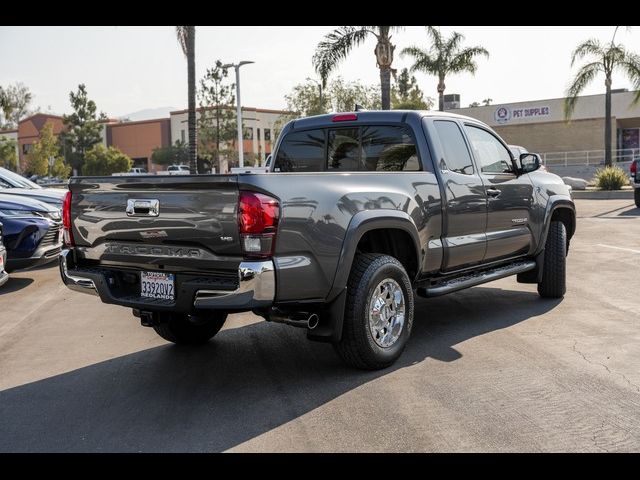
point(173, 220)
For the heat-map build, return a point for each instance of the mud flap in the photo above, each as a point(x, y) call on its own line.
point(533, 276)
point(331, 317)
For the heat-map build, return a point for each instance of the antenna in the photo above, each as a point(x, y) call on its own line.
point(359, 108)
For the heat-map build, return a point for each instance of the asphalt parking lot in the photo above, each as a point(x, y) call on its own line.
point(493, 368)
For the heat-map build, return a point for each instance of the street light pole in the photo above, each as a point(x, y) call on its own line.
point(239, 108)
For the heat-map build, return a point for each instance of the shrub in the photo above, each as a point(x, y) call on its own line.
point(611, 178)
point(100, 160)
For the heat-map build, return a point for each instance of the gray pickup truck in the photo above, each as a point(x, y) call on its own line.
point(359, 213)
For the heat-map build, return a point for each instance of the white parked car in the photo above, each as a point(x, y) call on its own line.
point(178, 170)
point(263, 169)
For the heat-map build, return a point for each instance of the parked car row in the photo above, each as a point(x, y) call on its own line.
point(31, 232)
point(4, 276)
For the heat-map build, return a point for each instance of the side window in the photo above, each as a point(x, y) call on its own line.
point(4, 184)
point(491, 155)
point(388, 148)
point(301, 152)
point(344, 149)
point(457, 157)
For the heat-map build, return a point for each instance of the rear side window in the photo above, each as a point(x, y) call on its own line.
point(457, 157)
point(388, 148)
point(301, 152)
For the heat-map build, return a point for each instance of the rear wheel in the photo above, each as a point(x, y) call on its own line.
point(186, 329)
point(554, 273)
point(636, 196)
point(379, 312)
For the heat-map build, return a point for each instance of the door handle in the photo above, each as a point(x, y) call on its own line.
point(493, 192)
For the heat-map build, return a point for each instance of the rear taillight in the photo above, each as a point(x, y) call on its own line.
point(634, 168)
point(258, 216)
point(66, 220)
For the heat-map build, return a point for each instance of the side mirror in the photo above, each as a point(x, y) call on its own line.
point(529, 162)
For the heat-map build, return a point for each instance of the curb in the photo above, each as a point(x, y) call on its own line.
point(602, 194)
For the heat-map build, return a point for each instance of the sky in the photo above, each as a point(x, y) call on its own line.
point(127, 69)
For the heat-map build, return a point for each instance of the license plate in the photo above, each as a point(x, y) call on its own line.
point(157, 285)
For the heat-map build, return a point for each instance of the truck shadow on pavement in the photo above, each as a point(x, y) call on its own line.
point(246, 382)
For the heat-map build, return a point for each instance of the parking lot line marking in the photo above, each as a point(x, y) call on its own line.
point(618, 248)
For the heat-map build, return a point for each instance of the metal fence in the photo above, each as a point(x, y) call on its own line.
point(588, 157)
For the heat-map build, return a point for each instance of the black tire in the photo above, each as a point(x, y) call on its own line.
point(554, 270)
point(357, 347)
point(636, 196)
point(188, 329)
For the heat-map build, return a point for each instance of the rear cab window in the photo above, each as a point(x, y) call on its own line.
point(390, 148)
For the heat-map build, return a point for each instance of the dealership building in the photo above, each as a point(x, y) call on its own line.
point(138, 139)
point(540, 126)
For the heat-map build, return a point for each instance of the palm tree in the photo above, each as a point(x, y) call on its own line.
point(187, 40)
point(444, 57)
point(336, 46)
point(603, 59)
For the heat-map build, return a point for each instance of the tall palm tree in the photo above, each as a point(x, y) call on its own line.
point(187, 40)
point(336, 46)
point(603, 59)
point(444, 57)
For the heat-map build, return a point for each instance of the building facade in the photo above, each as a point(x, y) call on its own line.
point(540, 125)
point(138, 139)
point(29, 132)
point(258, 123)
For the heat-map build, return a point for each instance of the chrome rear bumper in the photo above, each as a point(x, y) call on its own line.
point(256, 288)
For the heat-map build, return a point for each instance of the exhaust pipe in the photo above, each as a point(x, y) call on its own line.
point(295, 319)
point(313, 321)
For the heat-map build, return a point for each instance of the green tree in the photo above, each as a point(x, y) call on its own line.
point(14, 103)
point(187, 40)
point(339, 96)
point(345, 95)
point(602, 59)
point(82, 128)
point(444, 57)
point(406, 95)
point(305, 100)
point(177, 154)
point(44, 148)
point(101, 160)
point(487, 101)
point(336, 47)
point(8, 154)
point(60, 169)
point(217, 124)
point(474, 104)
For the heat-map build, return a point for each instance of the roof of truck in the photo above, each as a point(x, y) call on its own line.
point(376, 115)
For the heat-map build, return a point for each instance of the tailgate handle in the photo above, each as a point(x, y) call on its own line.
point(137, 207)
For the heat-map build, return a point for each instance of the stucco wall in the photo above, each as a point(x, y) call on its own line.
point(558, 136)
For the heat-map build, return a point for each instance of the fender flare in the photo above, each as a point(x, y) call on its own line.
point(361, 223)
point(555, 202)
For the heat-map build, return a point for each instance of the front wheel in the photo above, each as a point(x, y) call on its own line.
point(186, 329)
point(554, 270)
point(379, 312)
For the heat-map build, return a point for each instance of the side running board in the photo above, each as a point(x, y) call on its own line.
point(471, 280)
